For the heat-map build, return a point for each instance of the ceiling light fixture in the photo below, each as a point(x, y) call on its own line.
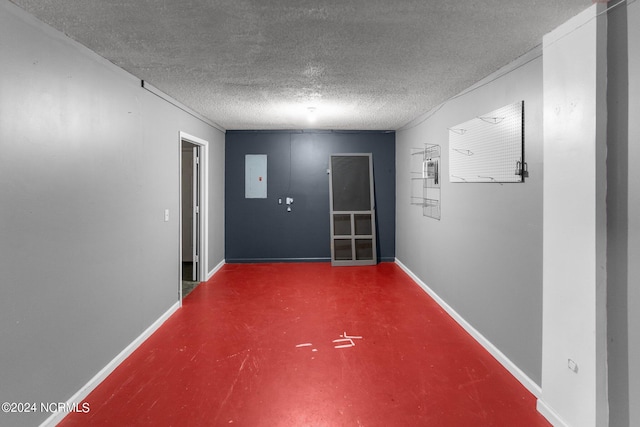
point(311, 114)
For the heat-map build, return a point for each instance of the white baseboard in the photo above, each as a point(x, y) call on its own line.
point(493, 350)
point(56, 417)
point(215, 269)
point(551, 415)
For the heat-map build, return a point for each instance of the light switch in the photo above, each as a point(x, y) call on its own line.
point(166, 215)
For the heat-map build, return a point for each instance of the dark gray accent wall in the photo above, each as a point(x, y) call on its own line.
point(259, 230)
point(89, 161)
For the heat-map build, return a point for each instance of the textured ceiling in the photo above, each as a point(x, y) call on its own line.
point(362, 64)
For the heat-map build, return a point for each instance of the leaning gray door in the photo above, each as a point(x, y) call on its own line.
point(353, 225)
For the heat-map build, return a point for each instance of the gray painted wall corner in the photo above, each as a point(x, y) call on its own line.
point(88, 164)
point(484, 257)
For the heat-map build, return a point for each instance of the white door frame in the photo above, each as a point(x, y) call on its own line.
point(203, 241)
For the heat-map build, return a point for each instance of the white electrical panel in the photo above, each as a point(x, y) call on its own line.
point(255, 176)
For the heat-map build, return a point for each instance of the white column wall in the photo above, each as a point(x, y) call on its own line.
point(574, 236)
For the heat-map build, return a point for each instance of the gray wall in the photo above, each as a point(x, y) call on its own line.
point(261, 230)
point(617, 216)
point(623, 211)
point(633, 255)
point(88, 162)
point(484, 257)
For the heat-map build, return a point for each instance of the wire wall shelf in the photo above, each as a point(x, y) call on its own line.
point(425, 179)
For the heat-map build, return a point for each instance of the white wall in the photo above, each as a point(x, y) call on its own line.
point(484, 257)
point(89, 161)
point(574, 268)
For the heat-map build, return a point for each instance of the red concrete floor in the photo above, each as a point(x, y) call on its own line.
point(265, 345)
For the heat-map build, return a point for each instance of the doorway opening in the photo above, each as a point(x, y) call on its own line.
point(193, 204)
